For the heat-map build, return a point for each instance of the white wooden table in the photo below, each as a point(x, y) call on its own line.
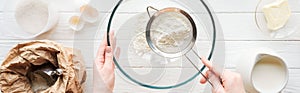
point(236, 18)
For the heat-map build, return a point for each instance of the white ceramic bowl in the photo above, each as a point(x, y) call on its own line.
point(17, 7)
point(263, 71)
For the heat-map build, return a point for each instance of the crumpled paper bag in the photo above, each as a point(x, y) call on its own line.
point(23, 56)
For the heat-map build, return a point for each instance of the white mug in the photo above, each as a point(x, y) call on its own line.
point(263, 71)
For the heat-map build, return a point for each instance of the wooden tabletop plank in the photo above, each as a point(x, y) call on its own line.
point(236, 26)
point(227, 6)
point(289, 50)
point(244, 6)
point(127, 86)
point(231, 6)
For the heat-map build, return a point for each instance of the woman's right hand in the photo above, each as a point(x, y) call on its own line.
point(231, 82)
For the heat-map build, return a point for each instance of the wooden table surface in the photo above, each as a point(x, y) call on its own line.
point(235, 16)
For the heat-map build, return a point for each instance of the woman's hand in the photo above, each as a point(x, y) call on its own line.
point(231, 82)
point(104, 63)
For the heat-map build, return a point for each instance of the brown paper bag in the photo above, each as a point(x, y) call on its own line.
point(25, 56)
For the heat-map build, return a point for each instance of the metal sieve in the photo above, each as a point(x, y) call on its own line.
point(177, 32)
point(171, 32)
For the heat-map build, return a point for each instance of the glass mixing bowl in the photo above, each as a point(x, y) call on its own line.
point(139, 63)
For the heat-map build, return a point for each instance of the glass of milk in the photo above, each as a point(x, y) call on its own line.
point(263, 71)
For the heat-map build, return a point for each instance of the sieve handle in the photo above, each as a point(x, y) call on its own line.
point(207, 79)
point(199, 71)
point(150, 7)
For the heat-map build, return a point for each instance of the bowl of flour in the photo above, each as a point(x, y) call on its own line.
point(34, 17)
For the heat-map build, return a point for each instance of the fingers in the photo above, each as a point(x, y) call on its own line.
point(209, 66)
point(203, 80)
point(110, 51)
point(228, 77)
point(210, 73)
point(118, 51)
point(217, 86)
point(109, 63)
point(207, 63)
point(218, 90)
point(112, 40)
point(101, 49)
point(101, 52)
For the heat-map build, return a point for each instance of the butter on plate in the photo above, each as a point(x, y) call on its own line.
point(277, 14)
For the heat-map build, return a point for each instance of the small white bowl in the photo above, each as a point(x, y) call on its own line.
point(21, 32)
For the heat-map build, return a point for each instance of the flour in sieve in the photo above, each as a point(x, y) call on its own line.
point(170, 32)
point(172, 40)
point(176, 30)
point(32, 15)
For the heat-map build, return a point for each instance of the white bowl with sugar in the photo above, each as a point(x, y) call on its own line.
point(34, 17)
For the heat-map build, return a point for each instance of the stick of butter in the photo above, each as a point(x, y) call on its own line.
point(277, 14)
